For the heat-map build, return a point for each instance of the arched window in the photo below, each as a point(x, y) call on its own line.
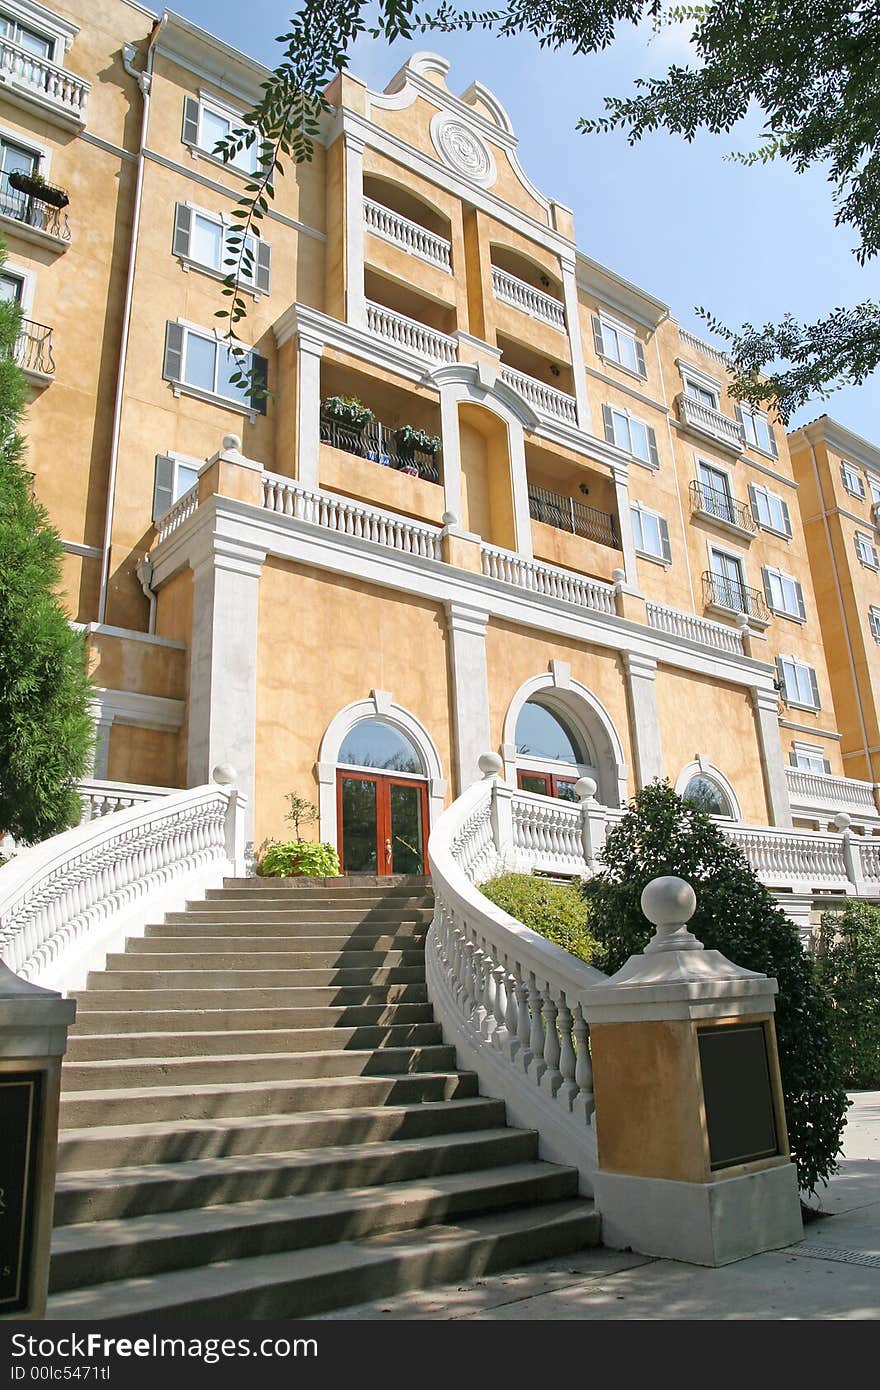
point(377, 744)
point(708, 797)
point(551, 754)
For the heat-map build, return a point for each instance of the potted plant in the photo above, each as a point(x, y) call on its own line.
point(412, 441)
point(348, 411)
point(35, 186)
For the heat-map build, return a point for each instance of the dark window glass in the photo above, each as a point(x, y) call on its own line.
point(708, 797)
point(540, 733)
point(373, 743)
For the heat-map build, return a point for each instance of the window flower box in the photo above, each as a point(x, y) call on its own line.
point(35, 186)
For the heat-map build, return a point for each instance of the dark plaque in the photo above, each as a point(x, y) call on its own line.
point(21, 1110)
point(738, 1095)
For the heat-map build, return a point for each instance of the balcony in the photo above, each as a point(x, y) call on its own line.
point(410, 335)
point(35, 218)
point(408, 235)
point(511, 290)
point(709, 423)
point(822, 795)
point(33, 352)
point(545, 399)
point(718, 506)
point(690, 340)
point(378, 443)
point(567, 514)
point(30, 80)
point(730, 596)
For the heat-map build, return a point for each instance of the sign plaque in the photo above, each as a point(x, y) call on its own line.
point(21, 1109)
point(738, 1095)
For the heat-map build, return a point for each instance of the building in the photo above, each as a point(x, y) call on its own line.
point(601, 568)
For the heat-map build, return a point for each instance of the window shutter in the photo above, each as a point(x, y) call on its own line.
point(741, 419)
point(608, 422)
point(753, 503)
point(827, 767)
point(768, 592)
point(173, 368)
point(190, 121)
point(261, 268)
point(664, 540)
point(640, 359)
point(182, 229)
point(793, 759)
point(652, 446)
point(597, 335)
point(814, 686)
point(780, 676)
point(774, 447)
point(163, 485)
point(800, 599)
point(787, 518)
point(260, 379)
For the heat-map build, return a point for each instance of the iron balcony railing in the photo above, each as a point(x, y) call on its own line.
point(714, 502)
point(32, 211)
point(33, 348)
point(720, 591)
point(377, 442)
point(566, 514)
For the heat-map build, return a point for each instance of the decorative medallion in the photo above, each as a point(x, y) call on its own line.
point(463, 150)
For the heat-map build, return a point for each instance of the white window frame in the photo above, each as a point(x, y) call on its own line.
point(640, 510)
point(28, 279)
point(694, 376)
point(853, 479)
point(180, 462)
point(874, 490)
point(58, 31)
point(750, 412)
point(190, 262)
point(784, 577)
point(866, 551)
point(208, 102)
point(799, 666)
point(761, 490)
point(874, 621)
point(184, 388)
point(629, 417)
point(811, 753)
point(607, 321)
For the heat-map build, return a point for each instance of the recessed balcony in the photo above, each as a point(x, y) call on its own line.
point(725, 595)
point(709, 423)
point(546, 400)
point(568, 514)
point(33, 352)
point(410, 335)
point(726, 512)
point(29, 80)
point(520, 295)
point(401, 231)
point(381, 444)
point(39, 217)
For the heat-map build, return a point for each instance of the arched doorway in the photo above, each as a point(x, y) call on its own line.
point(382, 801)
point(551, 753)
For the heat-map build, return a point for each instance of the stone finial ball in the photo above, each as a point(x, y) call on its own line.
point(449, 519)
point(842, 821)
point(224, 774)
point(618, 576)
point(669, 901)
point(232, 442)
point(741, 621)
point(490, 764)
point(585, 788)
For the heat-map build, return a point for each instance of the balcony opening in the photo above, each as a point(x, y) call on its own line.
point(574, 514)
point(712, 500)
point(528, 272)
point(486, 484)
point(725, 590)
point(548, 371)
point(405, 204)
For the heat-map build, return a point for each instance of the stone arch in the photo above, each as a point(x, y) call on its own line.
point(701, 767)
point(587, 713)
point(380, 705)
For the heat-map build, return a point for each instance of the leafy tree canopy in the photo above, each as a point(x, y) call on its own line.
point(810, 66)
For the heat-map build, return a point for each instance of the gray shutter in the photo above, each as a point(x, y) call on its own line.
point(664, 540)
point(652, 446)
point(640, 359)
point(800, 599)
point(780, 676)
point(173, 368)
point(827, 766)
point(792, 758)
point(163, 485)
point(753, 503)
point(261, 268)
point(182, 228)
point(768, 592)
point(739, 416)
point(787, 515)
point(774, 448)
point(814, 685)
point(597, 335)
point(609, 423)
point(190, 121)
point(260, 379)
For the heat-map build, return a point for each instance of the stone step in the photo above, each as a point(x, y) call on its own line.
point(211, 944)
point(245, 914)
point(347, 1272)
point(230, 979)
point(132, 1035)
point(144, 1246)
point(341, 997)
point(346, 897)
point(291, 929)
point(388, 883)
point(147, 1189)
point(125, 1144)
point(143, 1104)
point(160, 960)
point(213, 1070)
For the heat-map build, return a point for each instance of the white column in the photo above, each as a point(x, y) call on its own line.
point(519, 487)
point(469, 679)
point(766, 705)
point(355, 306)
point(308, 408)
point(644, 723)
point(223, 665)
point(624, 521)
point(101, 751)
point(573, 320)
point(452, 498)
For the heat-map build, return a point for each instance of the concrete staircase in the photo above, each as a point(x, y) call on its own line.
point(259, 1118)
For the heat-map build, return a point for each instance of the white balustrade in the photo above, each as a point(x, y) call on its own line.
point(408, 235)
point(410, 335)
point(830, 794)
point(703, 418)
point(547, 580)
point(511, 290)
point(546, 399)
point(177, 514)
point(693, 628)
point(100, 798)
point(793, 858)
point(49, 83)
point(546, 834)
point(350, 518)
point(66, 901)
point(690, 340)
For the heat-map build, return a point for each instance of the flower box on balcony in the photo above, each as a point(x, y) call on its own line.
point(411, 441)
point(35, 186)
point(348, 411)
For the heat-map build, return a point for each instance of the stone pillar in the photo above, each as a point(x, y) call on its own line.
point(308, 409)
point(355, 299)
point(572, 319)
point(644, 722)
point(594, 821)
point(469, 680)
point(690, 1123)
point(766, 704)
point(519, 487)
point(33, 1040)
point(223, 663)
point(101, 751)
point(624, 521)
point(452, 498)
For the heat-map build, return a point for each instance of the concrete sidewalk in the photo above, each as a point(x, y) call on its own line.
point(833, 1273)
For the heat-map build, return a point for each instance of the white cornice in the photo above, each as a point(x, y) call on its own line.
point(138, 710)
point(612, 289)
point(201, 53)
point(842, 440)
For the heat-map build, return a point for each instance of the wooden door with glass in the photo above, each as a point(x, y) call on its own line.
point(383, 823)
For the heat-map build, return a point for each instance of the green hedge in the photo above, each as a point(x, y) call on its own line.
point(555, 910)
point(298, 858)
point(848, 965)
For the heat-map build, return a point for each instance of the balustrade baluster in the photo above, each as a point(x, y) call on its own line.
point(583, 1072)
point(567, 1059)
point(552, 1076)
point(537, 1065)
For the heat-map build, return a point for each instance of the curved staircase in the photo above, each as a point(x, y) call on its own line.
point(259, 1118)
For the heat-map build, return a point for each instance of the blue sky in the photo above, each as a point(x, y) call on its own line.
point(677, 219)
